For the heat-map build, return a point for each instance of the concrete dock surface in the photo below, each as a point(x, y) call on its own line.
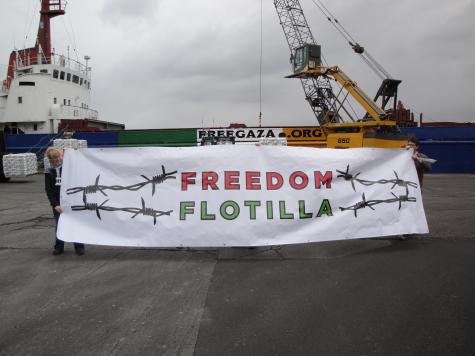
point(359, 297)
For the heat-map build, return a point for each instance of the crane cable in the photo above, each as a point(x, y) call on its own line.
point(26, 26)
point(71, 38)
point(32, 18)
point(368, 59)
point(75, 45)
point(347, 37)
point(260, 73)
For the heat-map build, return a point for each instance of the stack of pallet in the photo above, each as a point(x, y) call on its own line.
point(273, 142)
point(19, 165)
point(61, 144)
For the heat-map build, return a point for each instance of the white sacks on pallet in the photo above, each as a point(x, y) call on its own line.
point(273, 142)
point(19, 165)
point(61, 144)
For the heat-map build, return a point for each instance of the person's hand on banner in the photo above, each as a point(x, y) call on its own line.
point(58, 209)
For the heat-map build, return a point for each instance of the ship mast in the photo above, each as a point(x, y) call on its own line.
point(41, 53)
point(49, 9)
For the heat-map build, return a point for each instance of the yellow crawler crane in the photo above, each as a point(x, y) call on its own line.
point(375, 129)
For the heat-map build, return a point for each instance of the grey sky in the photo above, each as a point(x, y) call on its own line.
point(164, 63)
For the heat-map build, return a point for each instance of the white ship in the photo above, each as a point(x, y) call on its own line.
point(45, 92)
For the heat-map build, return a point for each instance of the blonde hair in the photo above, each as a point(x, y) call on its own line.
point(52, 152)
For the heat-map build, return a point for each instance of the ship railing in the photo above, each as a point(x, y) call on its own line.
point(55, 59)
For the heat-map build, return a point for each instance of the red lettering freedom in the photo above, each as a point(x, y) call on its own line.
point(231, 180)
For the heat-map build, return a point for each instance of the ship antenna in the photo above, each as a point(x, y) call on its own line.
point(87, 58)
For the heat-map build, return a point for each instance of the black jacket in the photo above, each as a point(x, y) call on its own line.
point(52, 190)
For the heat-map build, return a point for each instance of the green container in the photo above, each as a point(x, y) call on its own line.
point(168, 137)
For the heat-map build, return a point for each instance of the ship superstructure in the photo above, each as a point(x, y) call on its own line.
point(44, 89)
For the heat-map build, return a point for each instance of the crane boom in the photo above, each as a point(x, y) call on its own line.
point(318, 91)
point(374, 129)
point(372, 108)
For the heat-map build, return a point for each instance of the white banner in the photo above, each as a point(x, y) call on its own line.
point(237, 195)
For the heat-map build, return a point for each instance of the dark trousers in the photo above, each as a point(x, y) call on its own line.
point(59, 244)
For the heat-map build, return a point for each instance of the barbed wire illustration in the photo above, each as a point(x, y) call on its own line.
point(360, 205)
point(354, 178)
point(134, 211)
point(402, 198)
point(96, 187)
point(370, 203)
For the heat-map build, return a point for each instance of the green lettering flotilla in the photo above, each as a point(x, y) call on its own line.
point(186, 207)
point(231, 210)
point(283, 213)
point(325, 208)
point(302, 213)
point(252, 204)
point(224, 210)
point(204, 212)
point(270, 210)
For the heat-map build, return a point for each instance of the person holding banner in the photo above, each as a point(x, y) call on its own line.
point(422, 162)
point(53, 188)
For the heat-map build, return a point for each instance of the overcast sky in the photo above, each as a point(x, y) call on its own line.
point(188, 63)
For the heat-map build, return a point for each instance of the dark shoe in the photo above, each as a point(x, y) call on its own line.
point(80, 251)
point(57, 252)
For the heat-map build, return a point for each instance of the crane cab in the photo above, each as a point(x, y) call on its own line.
point(307, 57)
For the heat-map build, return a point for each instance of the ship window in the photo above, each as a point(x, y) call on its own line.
point(75, 79)
point(69, 102)
point(35, 127)
point(20, 100)
point(61, 75)
point(27, 84)
point(55, 100)
point(55, 74)
point(80, 81)
point(64, 101)
point(44, 71)
point(68, 77)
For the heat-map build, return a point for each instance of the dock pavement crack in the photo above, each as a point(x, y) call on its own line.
point(35, 219)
